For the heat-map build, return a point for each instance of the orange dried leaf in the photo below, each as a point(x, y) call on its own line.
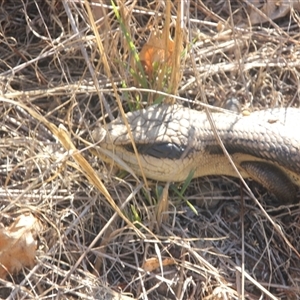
point(18, 245)
point(153, 263)
point(156, 52)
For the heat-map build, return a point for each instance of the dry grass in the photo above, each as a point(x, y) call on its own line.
point(52, 64)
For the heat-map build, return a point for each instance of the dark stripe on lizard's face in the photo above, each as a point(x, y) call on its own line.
point(159, 150)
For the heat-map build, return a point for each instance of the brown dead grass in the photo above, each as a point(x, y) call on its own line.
point(54, 64)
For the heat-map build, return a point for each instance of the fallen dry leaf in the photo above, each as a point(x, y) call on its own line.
point(154, 52)
point(18, 245)
point(153, 263)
